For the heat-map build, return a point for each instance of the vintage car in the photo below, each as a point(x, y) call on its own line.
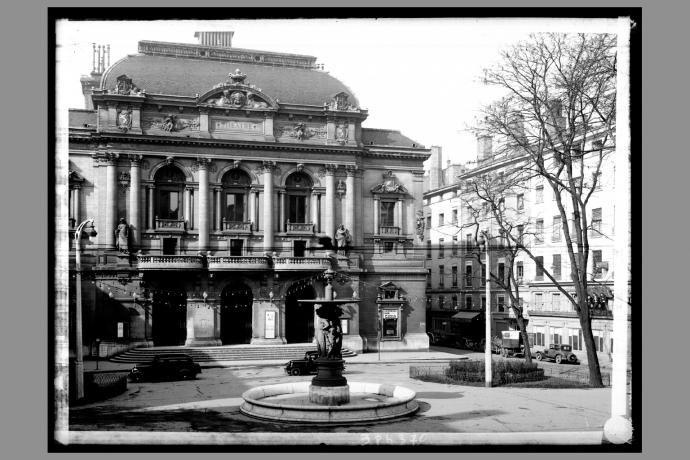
point(305, 365)
point(169, 366)
point(559, 353)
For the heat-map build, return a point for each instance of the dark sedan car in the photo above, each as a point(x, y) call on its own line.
point(172, 366)
point(302, 366)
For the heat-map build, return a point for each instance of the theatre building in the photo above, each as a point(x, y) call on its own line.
point(213, 176)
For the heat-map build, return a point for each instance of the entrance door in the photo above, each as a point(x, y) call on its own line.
point(299, 247)
point(236, 314)
point(299, 319)
point(169, 317)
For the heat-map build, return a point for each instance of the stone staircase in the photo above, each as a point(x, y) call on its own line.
point(224, 353)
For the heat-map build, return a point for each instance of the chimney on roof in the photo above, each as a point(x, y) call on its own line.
point(436, 168)
point(483, 147)
point(100, 60)
point(211, 38)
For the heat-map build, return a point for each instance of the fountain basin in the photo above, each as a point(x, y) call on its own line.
point(289, 402)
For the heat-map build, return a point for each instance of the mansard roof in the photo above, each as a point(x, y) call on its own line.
point(388, 137)
point(177, 73)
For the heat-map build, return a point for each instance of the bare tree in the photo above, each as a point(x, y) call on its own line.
point(558, 114)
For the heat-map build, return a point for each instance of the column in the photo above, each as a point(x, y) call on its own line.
point(111, 200)
point(398, 214)
point(315, 209)
point(252, 209)
point(268, 168)
point(283, 224)
point(218, 209)
point(350, 199)
point(134, 219)
point(75, 203)
point(149, 191)
point(187, 204)
point(329, 227)
point(377, 212)
point(204, 208)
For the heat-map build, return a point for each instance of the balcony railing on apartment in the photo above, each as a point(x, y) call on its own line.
point(389, 231)
point(293, 227)
point(169, 262)
point(170, 224)
point(301, 263)
point(236, 226)
point(238, 263)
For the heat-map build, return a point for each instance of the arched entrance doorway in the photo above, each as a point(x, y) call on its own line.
point(299, 319)
point(236, 314)
point(169, 317)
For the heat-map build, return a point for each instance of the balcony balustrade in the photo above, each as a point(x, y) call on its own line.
point(300, 228)
point(238, 263)
point(175, 225)
point(236, 227)
point(169, 262)
point(389, 231)
point(302, 263)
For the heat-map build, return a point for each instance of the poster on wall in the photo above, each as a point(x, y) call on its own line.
point(270, 329)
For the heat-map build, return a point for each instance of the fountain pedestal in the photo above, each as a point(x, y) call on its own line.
point(329, 387)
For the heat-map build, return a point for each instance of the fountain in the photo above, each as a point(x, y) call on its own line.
point(328, 398)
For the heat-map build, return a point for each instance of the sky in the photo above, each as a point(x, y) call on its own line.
point(419, 76)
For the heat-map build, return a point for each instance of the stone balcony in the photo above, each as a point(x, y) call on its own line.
point(300, 228)
point(238, 263)
point(389, 231)
point(301, 263)
point(167, 225)
point(236, 227)
point(158, 262)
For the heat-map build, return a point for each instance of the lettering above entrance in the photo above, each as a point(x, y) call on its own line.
point(235, 94)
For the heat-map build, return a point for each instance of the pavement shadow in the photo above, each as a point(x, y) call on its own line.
point(439, 395)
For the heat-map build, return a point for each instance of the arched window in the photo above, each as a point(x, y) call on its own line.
point(298, 188)
point(235, 195)
point(169, 189)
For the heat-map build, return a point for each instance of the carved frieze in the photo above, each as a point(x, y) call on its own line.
point(301, 131)
point(172, 123)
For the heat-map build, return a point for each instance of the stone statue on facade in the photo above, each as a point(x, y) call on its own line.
point(343, 239)
point(122, 236)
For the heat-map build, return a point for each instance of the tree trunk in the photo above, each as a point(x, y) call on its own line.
point(525, 337)
point(592, 359)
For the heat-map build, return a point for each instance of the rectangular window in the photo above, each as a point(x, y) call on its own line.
point(557, 229)
point(441, 302)
point(501, 303)
point(468, 275)
point(596, 223)
point(540, 194)
point(428, 222)
point(455, 216)
point(539, 262)
point(441, 220)
point(520, 201)
point(441, 252)
point(556, 336)
point(598, 340)
point(428, 277)
point(455, 302)
point(441, 274)
point(483, 275)
point(468, 302)
point(539, 336)
point(169, 205)
point(556, 266)
point(599, 179)
point(169, 246)
point(236, 247)
point(597, 264)
point(297, 212)
point(387, 213)
point(501, 272)
point(555, 301)
point(469, 241)
point(539, 237)
point(521, 232)
point(234, 207)
point(575, 339)
point(454, 272)
point(519, 270)
point(484, 303)
point(428, 249)
point(538, 301)
point(388, 246)
point(454, 247)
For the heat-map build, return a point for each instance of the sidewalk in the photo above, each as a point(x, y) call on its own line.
point(363, 358)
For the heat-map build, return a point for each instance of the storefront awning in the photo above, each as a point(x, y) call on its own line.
point(466, 315)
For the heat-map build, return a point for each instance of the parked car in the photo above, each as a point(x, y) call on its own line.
point(559, 353)
point(170, 366)
point(305, 365)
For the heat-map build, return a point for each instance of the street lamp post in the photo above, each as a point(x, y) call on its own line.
point(487, 327)
point(78, 351)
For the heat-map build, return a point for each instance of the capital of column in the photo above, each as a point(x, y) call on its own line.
point(111, 158)
point(150, 186)
point(217, 189)
point(268, 166)
point(330, 168)
point(202, 163)
point(75, 186)
point(377, 197)
point(135, 159)
point(315, 193)
point(351, 170)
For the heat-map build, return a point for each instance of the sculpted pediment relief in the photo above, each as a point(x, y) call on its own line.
point(234, 93)
point(389, 185)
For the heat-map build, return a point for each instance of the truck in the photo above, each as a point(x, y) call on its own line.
point(510, 344)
